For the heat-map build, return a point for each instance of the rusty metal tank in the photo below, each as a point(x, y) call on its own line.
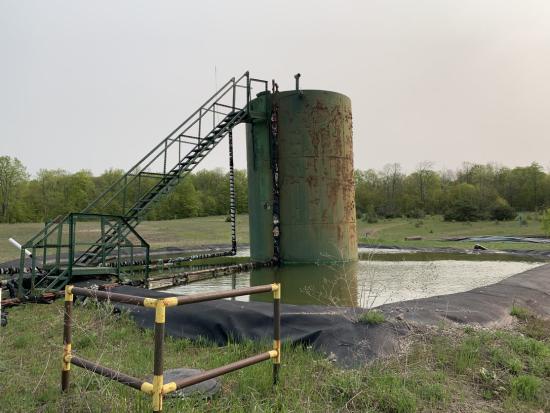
point(315, 160)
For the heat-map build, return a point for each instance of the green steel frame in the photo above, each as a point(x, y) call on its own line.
point(69, 241)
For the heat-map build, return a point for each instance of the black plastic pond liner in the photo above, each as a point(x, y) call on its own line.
point(499, 238)
point(326, 329)
point(334, 332)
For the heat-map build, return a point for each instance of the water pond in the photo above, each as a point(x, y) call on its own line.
point(374, 280)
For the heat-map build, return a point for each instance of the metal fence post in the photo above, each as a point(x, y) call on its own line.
point(158, 379)
point(276, 331)
point(67, 339)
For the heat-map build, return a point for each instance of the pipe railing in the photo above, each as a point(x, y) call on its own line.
point(158, 150)
point(158, 389)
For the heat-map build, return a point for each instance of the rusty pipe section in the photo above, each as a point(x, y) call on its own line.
point(67, 338)
point(220, 371)
point(197, 298)
point(109, 373)
point(276, 333)
point(106, 295)
point(170, 301)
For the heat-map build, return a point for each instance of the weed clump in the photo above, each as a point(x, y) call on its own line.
point(519, 312)
point(525, 387)
point(372, 317)
point(506, 360)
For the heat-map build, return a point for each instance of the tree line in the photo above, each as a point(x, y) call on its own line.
point(54, 192)
point(473, 192)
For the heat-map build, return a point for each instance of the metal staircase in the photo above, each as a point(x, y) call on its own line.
point(126, 201)
point(169, 180)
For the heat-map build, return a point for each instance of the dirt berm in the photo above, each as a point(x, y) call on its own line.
point(335, 332)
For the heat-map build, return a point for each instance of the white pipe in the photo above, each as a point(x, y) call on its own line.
point(18, 246)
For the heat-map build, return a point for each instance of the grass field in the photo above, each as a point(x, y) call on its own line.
point(443, 369)
point(388, 232)
point(159, 234)
point(433, 229)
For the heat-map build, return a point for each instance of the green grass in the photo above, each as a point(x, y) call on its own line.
point(372, 317)
point(159, 234)
point(525, 387)
point(441, 370)
point(520, 312)
point(214, 230)
point(433, 229)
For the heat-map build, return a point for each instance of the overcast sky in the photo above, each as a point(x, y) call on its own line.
point(96, 84)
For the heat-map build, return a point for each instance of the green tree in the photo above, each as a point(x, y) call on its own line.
point(105, 180)
point(182, 203)
point(53, 192)
point(502, 211)
point(463, 205)
point(213, 187)
point(12, 175)
point(241, 191)
point(392, 182)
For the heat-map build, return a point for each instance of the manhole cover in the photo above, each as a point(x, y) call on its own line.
point(205, 389)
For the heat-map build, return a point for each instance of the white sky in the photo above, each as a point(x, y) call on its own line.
point(96, 84)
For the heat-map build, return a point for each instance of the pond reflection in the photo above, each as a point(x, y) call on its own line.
point(334, 285)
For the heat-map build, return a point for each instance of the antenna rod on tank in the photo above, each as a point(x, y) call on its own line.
point(297, 77)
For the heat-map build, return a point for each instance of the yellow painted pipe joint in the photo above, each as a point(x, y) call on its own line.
point(277, 348)
point(150, 302)
point(69, 293)
point(160, 312)
point(276, 288)
point(170, 301)
point(147, 388)
point(157, 391)
point(169, 387)
point(67, 362)
point(67, 357)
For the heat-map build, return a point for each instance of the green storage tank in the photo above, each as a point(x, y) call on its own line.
point(317, 193)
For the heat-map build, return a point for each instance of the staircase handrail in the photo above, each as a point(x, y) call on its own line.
point(217, 95)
